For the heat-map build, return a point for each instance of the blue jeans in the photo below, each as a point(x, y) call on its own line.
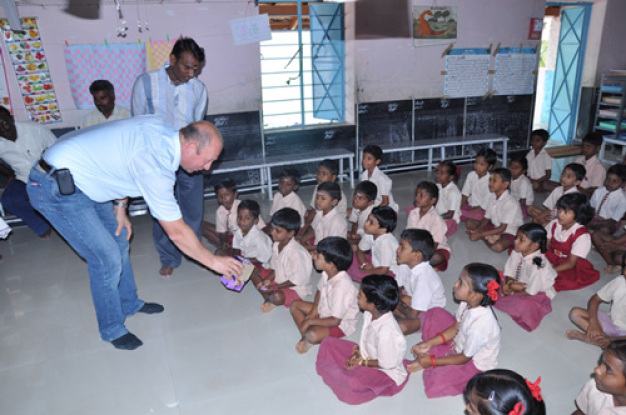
point(189, 192)
point(89, 227)
point(15, 200)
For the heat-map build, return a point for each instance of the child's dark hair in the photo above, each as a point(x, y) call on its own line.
point(382, 291)
point(228, 184)
point(536, 234)
point(331, 165)
point(619, 348)
point(287, 218)
point(429, 187)
point(497, 391)
point(332, 189)
point(619, 170)
point(250, 205)
point(293, 174)
point(369, 189)
point(579, 204)
point(374, 150)
point(337, 251)
point(489, 155)
point(578, 169)
point(452, 169)
point(541, 133)
point(594, 138)
point(386, 217)
point(504, 174)
point(420, 240)
point(480, 275)
point(522, 160)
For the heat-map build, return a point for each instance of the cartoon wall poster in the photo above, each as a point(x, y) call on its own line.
point(31, 68)
point(5, 96)
point(434, 25)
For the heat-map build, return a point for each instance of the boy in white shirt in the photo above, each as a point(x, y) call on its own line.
point(249, 240)
point(362, 205)
point(539, 161)
point(328, 221)
point(288, 184)
point(521, 186)
point(571, 177)
point(596, 173)
point(609, 201)
point(372, 156)
point(422, 286)
point(475, 191)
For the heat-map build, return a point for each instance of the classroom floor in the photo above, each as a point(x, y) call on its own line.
point(212, 351)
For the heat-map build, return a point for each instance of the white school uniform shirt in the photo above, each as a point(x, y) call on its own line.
point(21, 154)
point(478, 336)
point(382, 340)
point(505, 210)
point(256, 244)
point(593, 402)
point(613, 207)
point(342, 206)
point(477, 189)
point(338, 298)
point(522, 188)
point(556, 194)
point(292, 200)
point(615, 292)
point(383, 184)
point(582, 244)
point(596, 173)
point(226, 220)
point(383, 250)
point(293, 264)
point(536, 279)
point(449, 199)
point(537, 165)
point(431, 222)
point(331, 224)
point(423, 285)
point(360, 217)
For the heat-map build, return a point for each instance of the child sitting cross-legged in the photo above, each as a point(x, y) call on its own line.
point(372, 156)
point(328, 220)
point(521, 187)
point(421, 286)
point(362, 205)
point(288, 184)
point(595, 171)
point(378, 238)
point(425, 216)
point(476, 187)
point(609, 201)
point(539, 161)
point(449, 201)
point(502, 218)
point(289, 276)
point(334, 310)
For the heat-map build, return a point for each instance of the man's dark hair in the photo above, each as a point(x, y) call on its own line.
point(187, 44)
point(101, 85)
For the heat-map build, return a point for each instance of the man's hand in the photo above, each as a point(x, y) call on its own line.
point(227, 266)
point(122, 222)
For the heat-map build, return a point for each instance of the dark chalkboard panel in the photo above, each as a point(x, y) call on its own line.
point(438, 118)
point(386, 123)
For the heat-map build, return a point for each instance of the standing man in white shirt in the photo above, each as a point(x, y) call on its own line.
point(174, 93)
point(103, 94)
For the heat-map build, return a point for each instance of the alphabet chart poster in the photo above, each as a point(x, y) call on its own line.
point(467, 73)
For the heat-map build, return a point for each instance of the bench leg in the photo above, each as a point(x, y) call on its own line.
point(341, 170)
point(351, 172)
point(269, 183)
point(430, 160)
point(504, 153)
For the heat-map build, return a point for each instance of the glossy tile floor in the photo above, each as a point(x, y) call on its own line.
point(212, 351)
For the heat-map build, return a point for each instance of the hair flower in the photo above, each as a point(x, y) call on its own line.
point(535, 390)
point(492, 289)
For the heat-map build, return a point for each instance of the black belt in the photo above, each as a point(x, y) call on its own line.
point(44, 166)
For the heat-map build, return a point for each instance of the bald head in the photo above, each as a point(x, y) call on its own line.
point(202, 133)
point(201, 144)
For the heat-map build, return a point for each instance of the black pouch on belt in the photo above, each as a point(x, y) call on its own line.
point(65, 181)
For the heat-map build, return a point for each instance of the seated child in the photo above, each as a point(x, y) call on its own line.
point(596, 173)
point(334, 310)
point(569, 243)
point(539, 161)
point(288, 183)
point(502, 218)
point(362, 205)
point(571, 177)
point(425, 216)
point(220, 234)
point(609, 201)
point(605, 392)
point(359, 373)
point(597, 327)
point(377, 238)
point(328, 221)
point(457, 348)
point(476, 187)
point(289, 276)
point(327, 171)
point(249, 240)
point(422, 287)
point(372, 156)
point(528, 291)
point(449, 202)
point(521, 187)
point(502, 391)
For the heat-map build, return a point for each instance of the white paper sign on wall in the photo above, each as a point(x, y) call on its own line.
point(251, 29)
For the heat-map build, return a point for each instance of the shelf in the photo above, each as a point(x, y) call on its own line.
point(611, 114)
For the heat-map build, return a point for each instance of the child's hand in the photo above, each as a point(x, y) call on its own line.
point(367, 267)
point(263, 285)
point(594, 331)
point(517, 287)
point(420, 348)
point(352, 362)
point(414, 366)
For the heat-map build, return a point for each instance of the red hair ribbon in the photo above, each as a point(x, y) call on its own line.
point(518, 409)
point(492, 289)
point(535, 390)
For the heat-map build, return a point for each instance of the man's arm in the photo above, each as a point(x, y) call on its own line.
point(138, 99)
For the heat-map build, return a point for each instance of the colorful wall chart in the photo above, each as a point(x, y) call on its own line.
point(31, 68)
point(158, 53)
point(467, 72)
point(515, 71)
point(5, 96)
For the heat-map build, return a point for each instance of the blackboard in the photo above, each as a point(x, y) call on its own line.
point(438, 118)
point(387, 122)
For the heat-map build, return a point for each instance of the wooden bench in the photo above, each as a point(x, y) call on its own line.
point(563, 151)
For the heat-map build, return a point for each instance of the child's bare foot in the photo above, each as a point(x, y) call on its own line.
point(492, 239)
point(414, 366)
point(303, 346)
point(576, 335)
point(613, 269)
point(267, 307)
